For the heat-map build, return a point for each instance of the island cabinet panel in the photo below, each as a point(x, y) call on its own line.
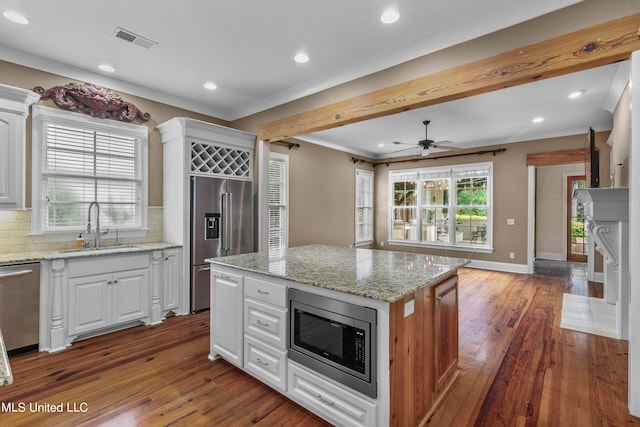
point(411, 359)
point(445, 297)
point(226, 316)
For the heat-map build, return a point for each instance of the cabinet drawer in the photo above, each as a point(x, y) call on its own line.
point(265, 362)
point(265, 291)
point(266, 322)
point(338, 405)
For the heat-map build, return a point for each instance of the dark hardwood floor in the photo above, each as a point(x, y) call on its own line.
point(517, 367)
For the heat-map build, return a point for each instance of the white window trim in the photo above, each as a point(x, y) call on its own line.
point(40, 115)
point(420, 174)
point(369, 174)
point(285, 159)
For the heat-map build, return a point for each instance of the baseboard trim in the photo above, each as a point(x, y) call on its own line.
point(505, 267)
point(551, 256)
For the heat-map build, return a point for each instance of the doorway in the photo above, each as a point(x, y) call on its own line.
point(577, 237)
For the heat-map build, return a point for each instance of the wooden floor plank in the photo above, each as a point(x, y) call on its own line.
point(517, 367)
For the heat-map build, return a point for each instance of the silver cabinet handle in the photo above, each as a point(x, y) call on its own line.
point(259, 323)
point(259, 361)
point(325, 401)
point(261, 292)
point(15, 273)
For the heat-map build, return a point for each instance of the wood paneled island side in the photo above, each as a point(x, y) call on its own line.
point(416, 299)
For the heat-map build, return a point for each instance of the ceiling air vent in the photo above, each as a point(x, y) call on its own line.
point(127, 35)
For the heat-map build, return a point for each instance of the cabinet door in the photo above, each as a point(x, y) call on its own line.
point(11, 161)
point(226, 316)
point(171, 283)
point(130, 295)
point(445, 331)
point(89, 303)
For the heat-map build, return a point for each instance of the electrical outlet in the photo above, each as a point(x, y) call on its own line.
point(511, 221)
point(408, 308)
point(512, 255)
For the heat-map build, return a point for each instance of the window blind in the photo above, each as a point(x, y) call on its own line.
point(277, 204)
point(83, 165)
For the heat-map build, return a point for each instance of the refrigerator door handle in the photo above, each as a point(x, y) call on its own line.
point(227, 203)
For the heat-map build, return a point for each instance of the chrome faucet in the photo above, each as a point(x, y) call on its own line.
point(96, 243)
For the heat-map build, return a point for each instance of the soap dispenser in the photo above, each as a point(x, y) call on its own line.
point(80, 241)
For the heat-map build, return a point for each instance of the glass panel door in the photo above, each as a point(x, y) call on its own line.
point(577, 237)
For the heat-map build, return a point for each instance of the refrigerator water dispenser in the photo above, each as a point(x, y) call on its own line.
point(211, 226)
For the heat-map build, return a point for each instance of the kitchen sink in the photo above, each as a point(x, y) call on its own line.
point(102, 249)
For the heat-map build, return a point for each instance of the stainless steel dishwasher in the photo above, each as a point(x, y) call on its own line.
point(20, 304)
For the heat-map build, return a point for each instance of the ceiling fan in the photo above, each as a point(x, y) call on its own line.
point(426, 144)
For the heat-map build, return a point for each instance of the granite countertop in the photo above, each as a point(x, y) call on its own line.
point(79, 253)
point(5, 370)
point(381, 275)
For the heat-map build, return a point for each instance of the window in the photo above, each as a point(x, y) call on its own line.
point(79, 159)
point(278, 201)
point(364, 206)
point(442, 206)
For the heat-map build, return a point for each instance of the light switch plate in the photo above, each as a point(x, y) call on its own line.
point(511, 221)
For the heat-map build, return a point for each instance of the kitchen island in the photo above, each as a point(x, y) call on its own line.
point(416, 338)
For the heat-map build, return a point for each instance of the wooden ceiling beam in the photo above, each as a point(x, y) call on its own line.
point(591, 47)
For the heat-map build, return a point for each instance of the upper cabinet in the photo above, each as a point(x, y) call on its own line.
point(14, 109)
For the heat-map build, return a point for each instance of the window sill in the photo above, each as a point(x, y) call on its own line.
point(462, 248)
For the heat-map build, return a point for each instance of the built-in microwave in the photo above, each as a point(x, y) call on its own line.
point(334, 338)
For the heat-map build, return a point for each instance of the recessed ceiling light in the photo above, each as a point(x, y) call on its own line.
point(538, 120)
point(576, 94)
point(390, 16)
point(16, 17)
point(301, 58)
point(380, 145)
point(106, 67)
point(210, 86)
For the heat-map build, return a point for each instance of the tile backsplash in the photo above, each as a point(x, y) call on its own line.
point(16, 237)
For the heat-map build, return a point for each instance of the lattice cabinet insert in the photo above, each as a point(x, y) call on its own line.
point(210, 159)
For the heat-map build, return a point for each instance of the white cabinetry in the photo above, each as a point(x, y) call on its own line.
point(257, 306)
point(226, 316)
point(117, 294)
point(14, 109)
point(171, 279)
point(265, 328)
point(333, 402)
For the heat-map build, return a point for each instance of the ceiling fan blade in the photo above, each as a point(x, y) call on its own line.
point(401, 143)
point(446, 147)
point(405, 149)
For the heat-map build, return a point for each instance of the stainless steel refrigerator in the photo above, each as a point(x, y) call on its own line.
point(221, 225)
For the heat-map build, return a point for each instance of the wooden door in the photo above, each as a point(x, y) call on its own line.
point(577, 237)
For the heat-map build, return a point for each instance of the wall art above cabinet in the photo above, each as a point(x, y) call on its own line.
point(14, 109)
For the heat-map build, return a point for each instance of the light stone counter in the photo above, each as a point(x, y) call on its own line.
point(5, 370)
point(14, 258)
point(381, 275)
